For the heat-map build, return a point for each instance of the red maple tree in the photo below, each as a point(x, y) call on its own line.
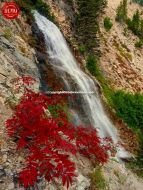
point(50, 141)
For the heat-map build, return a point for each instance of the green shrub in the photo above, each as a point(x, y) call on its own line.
point(138, 1)
point(129, 107)
point(139, 44)
point(7, 33)
point(107, 24)
point(97, 180)
point(82, 49)
point(91, 64)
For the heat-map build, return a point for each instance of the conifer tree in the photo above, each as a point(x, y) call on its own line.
point(122, 12)
point(136, 22)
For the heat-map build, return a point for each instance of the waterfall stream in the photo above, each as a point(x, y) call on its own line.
point(64, 63)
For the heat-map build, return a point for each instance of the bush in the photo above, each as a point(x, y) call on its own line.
point(98, 180)
point(107, 23)
point(92, 66)
point(82, 49)
point(7, 33)
point(139, 44)
point(49, 140)
point(129, 107)
point(138, 1)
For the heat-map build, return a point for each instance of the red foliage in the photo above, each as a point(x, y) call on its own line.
point(50, 141)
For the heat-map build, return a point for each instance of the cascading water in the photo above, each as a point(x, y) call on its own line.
point(65, 64)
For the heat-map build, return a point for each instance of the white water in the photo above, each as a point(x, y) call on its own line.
point(64, 63)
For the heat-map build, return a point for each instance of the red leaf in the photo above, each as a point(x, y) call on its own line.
point(28, 177)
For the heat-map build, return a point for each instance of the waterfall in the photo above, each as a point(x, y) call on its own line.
point(64, 64)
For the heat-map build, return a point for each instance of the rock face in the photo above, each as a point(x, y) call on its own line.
point(118, 177)
point(64, 15)
point(17, 59)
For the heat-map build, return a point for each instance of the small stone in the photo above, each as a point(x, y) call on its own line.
point(8, 172)
point(20, 159)
point(11, 186)
point(4, 159)
point(9, 160)
point(4, 150)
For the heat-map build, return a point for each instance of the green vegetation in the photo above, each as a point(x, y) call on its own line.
point(7, 33)
point(121, 178)
point(27, 6)
point(56, 109)
point(139, 44)
point(123, 50)
point(121, 15)
point(98, 180)
point(86, 22)
point(107, 23)
point(136, 165)
point(135, 24)
point(82, 49)
point(138, 1)
point(92, 66)
point(129, 107)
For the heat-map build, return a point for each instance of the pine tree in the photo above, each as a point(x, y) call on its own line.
point(136, 22)
point(122, 12)
point(87, 21)
point(141, 28)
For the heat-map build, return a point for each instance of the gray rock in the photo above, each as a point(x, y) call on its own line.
point(5, 43)
point(26, 65)
point(2, 172)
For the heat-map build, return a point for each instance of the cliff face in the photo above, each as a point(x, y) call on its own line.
point(17, 59)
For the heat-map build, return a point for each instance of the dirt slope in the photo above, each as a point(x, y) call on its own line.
point(121, 61)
